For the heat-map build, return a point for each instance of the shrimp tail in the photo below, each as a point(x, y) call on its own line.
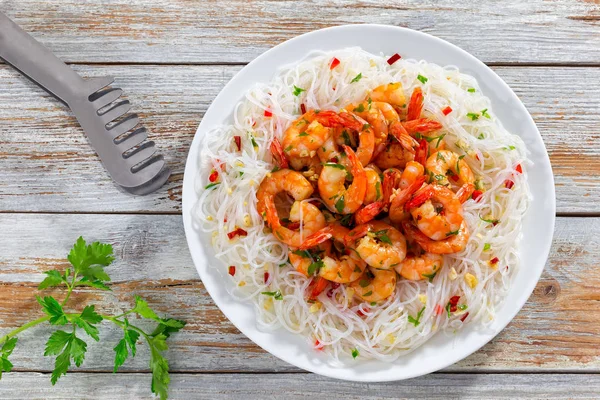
point(398, 131)
point(421, 153)
point(421, 125)
point(317, 238)
point(465, 192)
point(419, 198)
point(278, 154)
point(415, 106)
point(368, 212)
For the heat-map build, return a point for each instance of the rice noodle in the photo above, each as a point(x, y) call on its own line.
point(380, 331)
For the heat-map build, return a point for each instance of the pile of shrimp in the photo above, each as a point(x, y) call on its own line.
point(386, 196)
point(365, 205)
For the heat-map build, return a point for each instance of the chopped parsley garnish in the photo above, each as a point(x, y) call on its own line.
point(298, 90)
point(416, 321)
point(340, 204)
point(355, 353)
point(211, 185)
point(489, 221)
point(484, 113)
point(382, 235)
point(473, 116)
point(356, 78)
point(363, 283)
point(430, 276)
point(360, 108)
point(471, 90)
point(277, 295)
point(487, 246)
point(422, 78)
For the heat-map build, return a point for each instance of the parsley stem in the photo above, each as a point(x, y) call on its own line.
point(28, 325)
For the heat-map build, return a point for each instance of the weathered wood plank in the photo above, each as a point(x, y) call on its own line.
point(556, 330)
point(237, 31)
point(48, 166)
point(303, 386)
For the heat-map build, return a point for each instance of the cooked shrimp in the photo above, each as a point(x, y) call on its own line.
point(309, 216)
point(415, 106)
point(452, 244)
point(366, 134)
point(381, 245)
point(374, 189)
point(420, 267)
point(391, 93)
point(397, 213)
point(375, 284)
point(284, 180)
point(437, 222)
point(394, 156)
point(332, 185)
point(411, 172)
point(380, 115)
point(301, 260)
point(305, 136)
point(340, 268)
point(443, 162)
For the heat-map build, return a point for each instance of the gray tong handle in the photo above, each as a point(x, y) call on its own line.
point(34, 60)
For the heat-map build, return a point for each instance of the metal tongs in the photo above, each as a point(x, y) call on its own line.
point(129, 158)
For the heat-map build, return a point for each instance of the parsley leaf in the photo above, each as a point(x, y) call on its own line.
point(277, 295)
point(54, 278)
point(356, 78)
point(298, 90)
point(422, 78)
point(416, 321)
point(53, 309)
point(339, 205)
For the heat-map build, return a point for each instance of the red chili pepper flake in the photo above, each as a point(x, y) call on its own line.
point(438, 310)
point(268, 113)
point(237, 232)
point(318, 345)
point(213, 176)
point(447, 110)
point(334, 63)
point(519, 169)
point(476, 194)
point(393, 59)
point(453, 302)
point(494, 260)
point(462, 319)
point(232, 270)
point(509, 184)
point(266, 277)
point(303, 108)
point(238, 142)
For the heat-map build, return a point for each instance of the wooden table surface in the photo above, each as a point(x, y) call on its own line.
point(172, 57)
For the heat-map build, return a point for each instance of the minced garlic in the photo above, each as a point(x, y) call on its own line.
point(471, 280)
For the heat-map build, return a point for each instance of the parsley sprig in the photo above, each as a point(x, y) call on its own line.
point(87, 269)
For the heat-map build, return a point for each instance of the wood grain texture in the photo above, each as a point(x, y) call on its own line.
point(48, 165)
point(303, 386)
point(556, 330)
point(185, 31)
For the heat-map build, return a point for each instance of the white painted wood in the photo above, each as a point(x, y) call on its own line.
point(211, 31)
point(302, 386)
point(556, 330)
point(47, 164)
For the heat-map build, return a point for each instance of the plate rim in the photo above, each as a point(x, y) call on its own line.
point(189, 193)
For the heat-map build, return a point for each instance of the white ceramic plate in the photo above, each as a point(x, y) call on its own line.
point(538, 224)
